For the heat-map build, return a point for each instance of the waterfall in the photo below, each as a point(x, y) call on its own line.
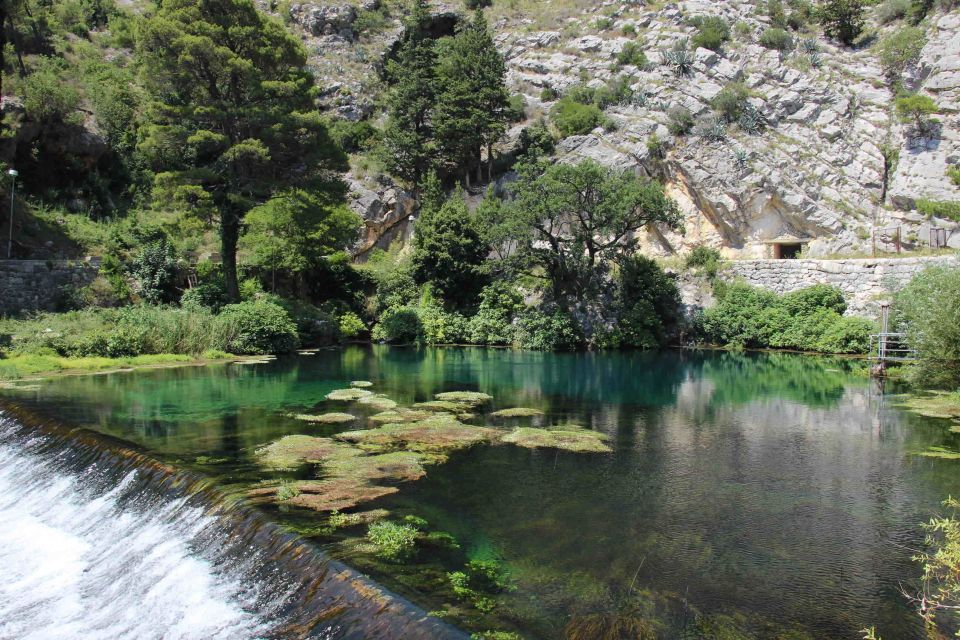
point(98, 541)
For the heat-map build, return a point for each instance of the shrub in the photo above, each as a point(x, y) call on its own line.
point(954, 174)
point(649, 303)
point(712, 32)
point(917, 109)
point(731, 101)
point(901, 49)
point(441, 327)
point(535, 140)
point(257, 327)
point(393, 542)
point(399, 324)
point(847, 335)
point(633, 54)
point(546, 331)
point(842, 19)
point(681, 121)
point(155, 272)
point(548, 94)
point(353, 136)
point(776, 39)
point(927, 310)
point(939, 209)
point(892, 10)
point(775, 11)
point(211, 296)
point(572, 118)
point(351, 326)
point(809, 299)
point(706, 259)
point(47, 98)
point(314, 326)
point(517, 108)
point(802, 13)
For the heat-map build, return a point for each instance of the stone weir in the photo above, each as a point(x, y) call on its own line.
point(114, 544)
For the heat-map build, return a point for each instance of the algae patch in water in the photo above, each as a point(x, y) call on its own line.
point(361, 384)
point(436, 436)
point(443, 406)
point(566, 437)
point(936, 404)
point(517, 412)
point(378, 402)
point(326, 418)
point(401, 415)
point(469, 398)
point(348, 395)
point(290, 452)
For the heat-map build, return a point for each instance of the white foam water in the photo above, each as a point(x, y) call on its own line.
point(93, 564)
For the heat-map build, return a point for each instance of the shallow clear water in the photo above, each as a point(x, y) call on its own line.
point(778, 488)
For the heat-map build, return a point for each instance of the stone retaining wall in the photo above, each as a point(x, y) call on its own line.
point(39, 285)
point(865, 282)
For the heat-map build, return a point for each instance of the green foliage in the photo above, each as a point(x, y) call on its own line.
point(47, 97)
point(572, 118)
point(681, 121)
point(900, 49)
point(516, 108)
point(572, 251)
point(940, 595)
point(394, 542)
point(953, 172)
point(399, 324)
point(648, 301)
point(351, 326)
point(449, 253)
point(939, 209)
point(353, 136)
point(809, 320)
point(155, 271)
point(842, 19)
point(705, 259)
point(257, 327)
point(632, 53)
point(547, 331)
point(548, 94)
point(264, 135)
point(535, 141)
point(776, 39)
point(731, 100)
point(211, 296)
point(478, 580)
point(712, 32)
point(679, 60)
point(441, 327)
point(892, 10)
point(927, 310)
point(917, 109)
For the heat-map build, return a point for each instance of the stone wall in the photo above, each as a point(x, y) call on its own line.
point(38, 285)
point(865, 282)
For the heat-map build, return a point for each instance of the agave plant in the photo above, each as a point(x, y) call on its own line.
point(751, 120)
point(712, 129)
point(809, 45)
point(816, 60)
point(680, 61)
point(740, 158)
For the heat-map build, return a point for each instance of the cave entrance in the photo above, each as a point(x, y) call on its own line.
point(787, 250)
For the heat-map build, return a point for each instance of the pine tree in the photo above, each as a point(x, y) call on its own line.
point(234, 121)
point(408, 138)
point(472, 105)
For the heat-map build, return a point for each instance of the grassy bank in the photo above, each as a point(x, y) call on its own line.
point(31, 366)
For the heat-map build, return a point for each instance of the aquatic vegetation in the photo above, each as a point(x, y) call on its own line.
point(287, 490)
point(361, 384)
point(935, 404)
point(290, 452)
point(441, 539)
point(478, 580)
point(326, 418)
point(441, 406)
point(393, 542)
point(339, 520)
point(939, 452)
point(472, 398)
point(436, 436)
point(348, 395)
point(496, 635)
point(378, 402)
point(566, 437)
point(399, 415)
point(613, 625)
point(517, 412)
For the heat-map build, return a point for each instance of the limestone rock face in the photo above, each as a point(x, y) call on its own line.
point(833, 165)
point(387, 213)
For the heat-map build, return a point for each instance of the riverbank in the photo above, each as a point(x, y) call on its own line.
point(31, 367)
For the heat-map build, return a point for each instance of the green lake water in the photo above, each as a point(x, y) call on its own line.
point(776, 493)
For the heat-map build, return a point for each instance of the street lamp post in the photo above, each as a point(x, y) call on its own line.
point(13, 190)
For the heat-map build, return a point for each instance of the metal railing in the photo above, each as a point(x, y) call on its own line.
point(891, 347)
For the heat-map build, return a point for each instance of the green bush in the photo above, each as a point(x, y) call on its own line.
point(705, 259)
point(900, 49)
point(954, 174)
point(211, 296)
point(257, 327)
point(927, 310)
point(731, 100)
point(546, 331)
point(649, 303)
point(393, 542)
point(351, 326)
point(933, 208)
point(314, 326)
point(353, 136)
point(573, 118)
point(155, 272)
point(441, 327)
point(548, 94)
point(892, 10)
point(399, 324)
point(847, 335)
point(917, 109)
point(776, 39)
point(632, 53)
point(842, 19)
point(809, 299)
point(47, 97)
point(517, 108)
point(712, 32)
point(681, 121)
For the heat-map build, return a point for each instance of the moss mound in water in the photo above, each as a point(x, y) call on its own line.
point(442, 406)
point(436, 437)
point(517, 412)
point(326, 418)
point(378, 402)
point(361, 384)
point(935, 404)
point(469, 398)
point(290, 452)
point(566, 437)
point(348, 395)
point(395, 416)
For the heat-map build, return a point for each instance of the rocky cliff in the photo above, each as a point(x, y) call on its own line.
point(822, 170)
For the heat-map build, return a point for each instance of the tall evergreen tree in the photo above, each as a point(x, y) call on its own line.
point(408, 139)
point(472, 104)
point(234, 120)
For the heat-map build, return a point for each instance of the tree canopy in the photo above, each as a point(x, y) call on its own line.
point(233, 120)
